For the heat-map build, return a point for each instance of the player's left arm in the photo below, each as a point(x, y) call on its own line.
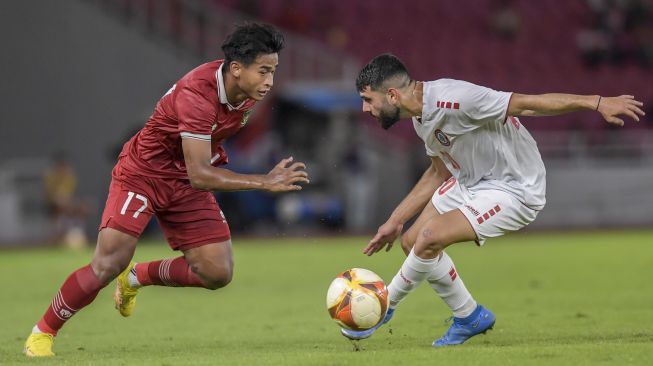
point(557, 103)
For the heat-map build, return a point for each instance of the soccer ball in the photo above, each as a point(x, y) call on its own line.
point(357, 299)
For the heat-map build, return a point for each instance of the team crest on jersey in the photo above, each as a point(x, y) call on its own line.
point(245, 118)
point(442, 137)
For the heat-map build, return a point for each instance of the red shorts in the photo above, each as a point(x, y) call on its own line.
point(189, 217)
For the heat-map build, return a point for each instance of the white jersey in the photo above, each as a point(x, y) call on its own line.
point(467, 127)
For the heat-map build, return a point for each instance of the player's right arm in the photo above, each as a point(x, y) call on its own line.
point(410, 206)
point(285, 176)
point(196, 112)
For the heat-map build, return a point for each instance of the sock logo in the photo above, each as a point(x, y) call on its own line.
point(60, 308)
point(401, 274)
point(65, 313)
point(453, 274)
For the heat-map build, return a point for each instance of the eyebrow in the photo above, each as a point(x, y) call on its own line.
point(267, 68)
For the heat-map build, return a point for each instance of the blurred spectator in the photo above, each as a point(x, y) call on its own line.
point(337, 37)
point(639, 23)
point(67, 213)
point(327, 28)
point(505, 20)
point(293, 17)
point(594, 46)
point(621, 32)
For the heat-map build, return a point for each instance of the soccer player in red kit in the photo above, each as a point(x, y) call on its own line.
point(168, 169)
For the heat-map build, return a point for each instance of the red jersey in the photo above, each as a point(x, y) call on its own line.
point(195, 107)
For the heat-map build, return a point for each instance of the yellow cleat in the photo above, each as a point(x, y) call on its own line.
point(125, 295)
point(39, 345)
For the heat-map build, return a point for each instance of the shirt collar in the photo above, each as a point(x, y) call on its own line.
point(223, 92)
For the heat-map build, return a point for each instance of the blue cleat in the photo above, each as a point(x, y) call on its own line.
point(462, 329)
point(362, 334)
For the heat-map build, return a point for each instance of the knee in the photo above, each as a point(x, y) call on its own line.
point(429, 243)
point(214, 275)
point(112, 255)
point(218, 277)
point(107, 269)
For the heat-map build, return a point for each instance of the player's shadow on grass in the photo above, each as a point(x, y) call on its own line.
point(636, 337)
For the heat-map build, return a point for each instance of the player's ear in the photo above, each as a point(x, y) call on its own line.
point(235, 68)
point(392, 96)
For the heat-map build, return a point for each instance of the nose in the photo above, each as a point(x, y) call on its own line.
point(269, 81)
point(366, 107)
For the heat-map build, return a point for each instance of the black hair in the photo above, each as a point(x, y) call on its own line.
point(249, 40)
point(380, 69)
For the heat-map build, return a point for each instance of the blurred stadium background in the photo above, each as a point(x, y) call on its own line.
point(79, 77)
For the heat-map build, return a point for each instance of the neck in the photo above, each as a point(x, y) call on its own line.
point(235, 95)
point(414, 103)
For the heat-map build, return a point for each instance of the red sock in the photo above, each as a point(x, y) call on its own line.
point(168, 272)
point(79, 290)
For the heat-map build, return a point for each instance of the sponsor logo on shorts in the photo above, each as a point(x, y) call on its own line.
point(491, 212)
point(472, 210)
point(442, 137)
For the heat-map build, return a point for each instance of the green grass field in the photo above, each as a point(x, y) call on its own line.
point(560, 299)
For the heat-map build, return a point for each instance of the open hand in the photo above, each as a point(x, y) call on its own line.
point(285, 176)
point(611, 107)
point(385, 236)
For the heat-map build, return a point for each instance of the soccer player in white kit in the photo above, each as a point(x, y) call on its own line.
point(486, 176)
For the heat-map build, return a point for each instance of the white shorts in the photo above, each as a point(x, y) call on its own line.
point(491, 212)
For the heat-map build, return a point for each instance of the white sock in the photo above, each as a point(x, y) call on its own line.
point(412, 273)
point(36, 329)
point(132, 279)
point(444, 279)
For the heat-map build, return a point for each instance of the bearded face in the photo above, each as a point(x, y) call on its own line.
point(388, 115)
point(377, 105)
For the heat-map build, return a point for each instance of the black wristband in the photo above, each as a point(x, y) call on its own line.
point(598, 103)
